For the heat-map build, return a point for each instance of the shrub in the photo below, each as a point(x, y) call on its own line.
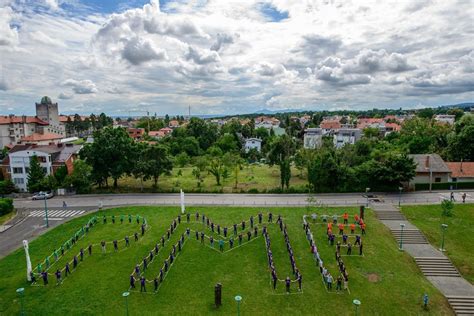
point(6, 206)
point(447, 208)
point(253, 191)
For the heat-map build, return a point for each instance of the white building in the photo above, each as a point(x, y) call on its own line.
point(345, 136)
point(253, 143)
point(313, 138)
point(17, 165)
point(445, 118)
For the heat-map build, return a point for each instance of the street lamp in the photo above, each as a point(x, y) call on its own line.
point(443, 229)
point(367, 194)
point(238, 298)
point(46, 210)
point(356, 305)
point(21, 293)
point(126, 294)
point(400, 189)
point(402, 225)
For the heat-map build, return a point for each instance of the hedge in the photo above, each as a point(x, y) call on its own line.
point(444, 186)
point(6, 206)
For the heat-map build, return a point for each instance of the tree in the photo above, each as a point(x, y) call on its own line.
point(36, 175)
point(200, 166)
point(447, 208)
point(110, 155)
point(60, 174)
point(81, 177)
point(156, 162)
point(227, 143)
point(6, 187)
point(461, 145)
point(182, 159)
point(49, 183)
point(216, 163)
point(281, 150)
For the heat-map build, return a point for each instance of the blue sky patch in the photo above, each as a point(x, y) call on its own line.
point(272, 13)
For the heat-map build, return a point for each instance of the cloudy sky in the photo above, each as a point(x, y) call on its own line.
point(234, 56)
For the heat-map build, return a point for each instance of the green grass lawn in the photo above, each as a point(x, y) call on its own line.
point(6, 217)
point(253, 177)
point(385, 280)
point(459, 236)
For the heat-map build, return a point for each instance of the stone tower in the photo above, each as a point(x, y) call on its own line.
point(47, 111)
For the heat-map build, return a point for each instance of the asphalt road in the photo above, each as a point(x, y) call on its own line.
point(109, 200)
point(33, 224)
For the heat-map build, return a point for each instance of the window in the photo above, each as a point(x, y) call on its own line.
point(437, 179)
point(17, 170)
point(18, 180)
point(27, 170)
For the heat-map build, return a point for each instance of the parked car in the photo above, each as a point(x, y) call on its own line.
point(42, 195)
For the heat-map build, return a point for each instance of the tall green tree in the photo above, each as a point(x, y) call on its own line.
point(157, 161)
point(36, 175)
point(81, 177)
point(110, 155)
point(217, 165)
point(280, 153)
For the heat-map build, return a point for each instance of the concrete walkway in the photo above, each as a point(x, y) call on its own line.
point(437, 268)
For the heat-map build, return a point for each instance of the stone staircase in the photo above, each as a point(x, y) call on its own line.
point(433, 264)
point(462, 305)
point(410, 236)
point(437, 266)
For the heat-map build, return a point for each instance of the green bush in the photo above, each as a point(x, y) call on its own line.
point(253, 191)
point(447, 208)
point(6, 206)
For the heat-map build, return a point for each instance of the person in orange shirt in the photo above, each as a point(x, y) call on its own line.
point(329, 227)
point(341, 229)
point(345, 217)
point(329, 231)
point(356, 218)
point(361, 221)
point(353, 227)
point(362, 227)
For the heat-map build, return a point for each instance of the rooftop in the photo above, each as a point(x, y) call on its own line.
point(427, 162)
point(461, 169)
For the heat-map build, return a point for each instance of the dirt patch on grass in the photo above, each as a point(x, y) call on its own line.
point(373, 277)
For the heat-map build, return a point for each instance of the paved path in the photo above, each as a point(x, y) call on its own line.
point(334, 199)
point(433, 263)
point(31, 224)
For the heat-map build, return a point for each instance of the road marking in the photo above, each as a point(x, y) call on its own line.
point(55, 219)
point(56, 213)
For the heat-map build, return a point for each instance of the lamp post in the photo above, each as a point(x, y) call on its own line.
point(367, 194)
point(356, 305)
point(126, 294)
point(401, 236)
point(238, 298)
point(443, 229)
point(400, 189)
point(46, 210)
point(21, 293)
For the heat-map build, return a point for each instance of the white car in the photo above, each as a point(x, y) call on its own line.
point(42, 195)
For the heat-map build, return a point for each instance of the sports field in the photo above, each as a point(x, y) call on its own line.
point(385, 280)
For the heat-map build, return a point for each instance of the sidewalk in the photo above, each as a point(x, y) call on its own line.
point(437, 268)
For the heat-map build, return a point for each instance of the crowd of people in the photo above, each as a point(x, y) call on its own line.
point(343, 276)
point(43, 267)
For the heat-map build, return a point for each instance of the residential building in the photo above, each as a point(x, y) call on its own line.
point(136, 133)
point(16, 165)
point(41, 139)
point(160, 133)
point(313, 138)
point(173, 124)
point(14, 128)
point(329, 126)
point(461, 171)
point(430, 168)
point(345, 136)
point(253, 143)
point(445, 118)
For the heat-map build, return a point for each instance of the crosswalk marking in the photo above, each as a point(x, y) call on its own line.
point(56, 213)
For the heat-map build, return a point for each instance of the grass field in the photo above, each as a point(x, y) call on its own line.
point(6, 217)
point(385, 280)
point(252, 177)
point(459, 236)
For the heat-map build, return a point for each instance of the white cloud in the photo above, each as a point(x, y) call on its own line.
point(81, 86)
point(225, 56)
point(8, 34)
